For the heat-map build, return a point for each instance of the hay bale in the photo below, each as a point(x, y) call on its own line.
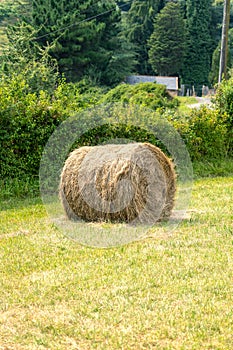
point(132, 182)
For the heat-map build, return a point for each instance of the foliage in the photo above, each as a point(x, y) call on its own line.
point(139, 27)
point(121, 132)
point(5, 11)
point(150, 95)
point(224, 99)
point(204, 132)
point(28, 119)
point(213, 167)
point(13, 9)
point(199, 42)
point(19, 187)
point(10, 12)
point(167, 44)
point(224, 103)
point(83, 42)
point(214, 72)
point(216, 23)
point(213, 76)
point(98, 40)
point(24, 56)
point(87, 93)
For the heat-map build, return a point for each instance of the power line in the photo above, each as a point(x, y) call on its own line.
point(83, 21)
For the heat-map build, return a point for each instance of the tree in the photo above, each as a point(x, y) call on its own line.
point(124, 4)
point(84, 36)
point(139, 28)
point(199, 42)
point(23, 56)
point(10, 11)
point(166, 44)
point(214, 73)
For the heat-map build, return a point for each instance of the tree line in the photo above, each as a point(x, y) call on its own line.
point(105, 40)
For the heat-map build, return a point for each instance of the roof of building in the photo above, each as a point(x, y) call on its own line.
point(171, 83)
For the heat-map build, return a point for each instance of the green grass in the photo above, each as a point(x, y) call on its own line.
point(29, 187)
point(23, 187)
point(213, 167)
point(185, 102)
point(167, 292)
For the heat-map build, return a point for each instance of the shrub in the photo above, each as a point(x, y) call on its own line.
point(106, 132)
point(149, 95)
point(28, 119)
point(223, 100)
point(224, 103)
point(204, 132)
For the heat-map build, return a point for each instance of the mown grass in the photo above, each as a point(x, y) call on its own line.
point(166, 292)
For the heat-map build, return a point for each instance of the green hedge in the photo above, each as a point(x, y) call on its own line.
point(28, 119)
point(149, 95)
point(223, 102)
point(205, 133)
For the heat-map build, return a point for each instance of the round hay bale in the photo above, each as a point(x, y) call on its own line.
point(132, 183)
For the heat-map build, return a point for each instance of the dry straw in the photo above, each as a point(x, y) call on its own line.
point(133, 183)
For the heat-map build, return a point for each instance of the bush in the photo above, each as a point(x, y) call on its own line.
point(204, 132)
point(106, 132)
point(149, 95)
point(223, 100)
point(224, 104)
point(28, 119)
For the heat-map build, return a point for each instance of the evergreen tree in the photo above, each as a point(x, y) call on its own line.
point(84, 36)
point(167, 41)
point(139, 29)
point(216, 23)
point(10, 11)
point(124, 4)
point(199, 43)
point(214, 73)
point(24, 57)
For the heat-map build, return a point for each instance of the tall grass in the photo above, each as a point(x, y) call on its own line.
point(29, 186)
point(20, 188)
point(213, 168)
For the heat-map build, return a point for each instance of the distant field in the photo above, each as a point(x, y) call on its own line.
point(167, 292)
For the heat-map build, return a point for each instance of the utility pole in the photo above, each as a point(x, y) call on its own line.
point(224, 41)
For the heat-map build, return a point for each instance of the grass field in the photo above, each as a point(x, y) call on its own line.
point(167, 292)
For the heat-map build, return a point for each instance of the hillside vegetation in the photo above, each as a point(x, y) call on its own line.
point(107, 40)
